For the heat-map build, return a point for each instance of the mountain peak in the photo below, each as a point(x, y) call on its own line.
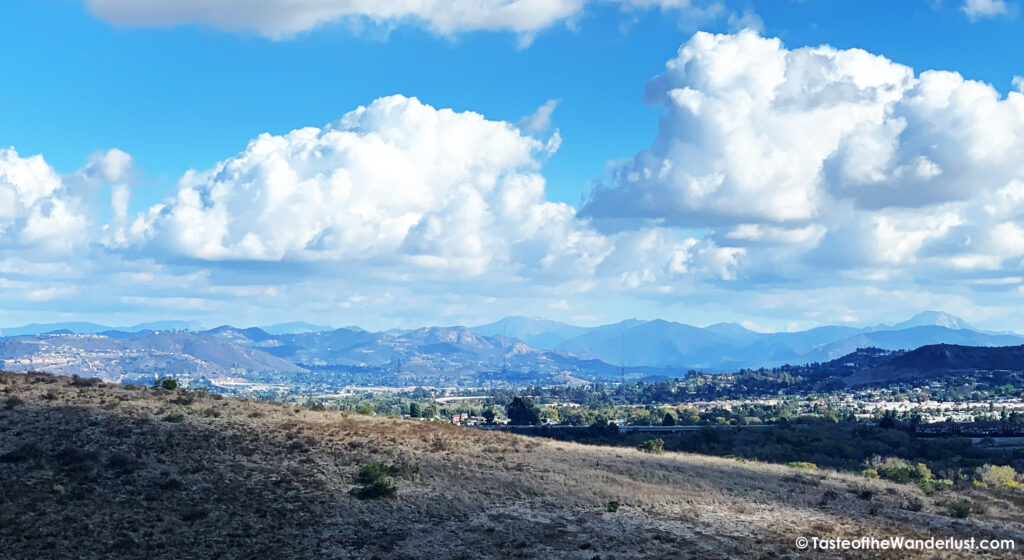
point(295, 327)
point(730, 329)
point(935, 319)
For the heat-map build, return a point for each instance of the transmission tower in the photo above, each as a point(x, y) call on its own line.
point(622, 357)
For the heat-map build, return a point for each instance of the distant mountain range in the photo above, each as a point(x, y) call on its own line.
point(292, 327)
point(123, 357)
point(730, 346)
point(93, 328)
point(516, 349)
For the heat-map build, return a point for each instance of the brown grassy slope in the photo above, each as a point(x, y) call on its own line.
point(108, 471)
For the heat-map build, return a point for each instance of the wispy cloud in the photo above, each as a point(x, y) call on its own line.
point(282, 19)
point(981, 9)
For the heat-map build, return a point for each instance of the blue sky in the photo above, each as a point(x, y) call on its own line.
point(176, 87)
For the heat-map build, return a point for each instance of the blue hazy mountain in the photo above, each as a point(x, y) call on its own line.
point(40, 328)
point(542, 333)
point(188, 326)
point(78, 327)
point(729, 346)
point(934, 319)
point(296, 327)
point(652, 343)
point(551, 346)
point(909, 339)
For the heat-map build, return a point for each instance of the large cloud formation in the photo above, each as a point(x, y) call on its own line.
point(841, 150)
point(396, 182)
point(36, 211)
point(404, 191)
point(810, 182)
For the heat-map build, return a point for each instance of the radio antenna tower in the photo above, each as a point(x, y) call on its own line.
point(622, 356)
point(504, 352)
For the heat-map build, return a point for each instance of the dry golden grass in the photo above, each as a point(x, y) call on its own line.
point(127, 473)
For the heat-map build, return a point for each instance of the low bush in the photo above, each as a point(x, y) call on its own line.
point(802, 465)
point(185, 397)
point(613, 506)
point(166, 383)
point(999, 477)
point(78, 381)
point(656, 445)
point(374, 482)
point(900, 471)
point(175, 417)
point(913, 504)
point(960, 508)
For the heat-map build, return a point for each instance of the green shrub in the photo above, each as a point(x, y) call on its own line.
point(374, 481)
point(383, 488)
point(927, 487)
point(175, 417)
point(802, 465)
point(372, 472)
point(913, 504)
point(900, 471)
point(960, 508)
point(869, 473)
point(613, 506)
point(656, 445)
point(166, 383)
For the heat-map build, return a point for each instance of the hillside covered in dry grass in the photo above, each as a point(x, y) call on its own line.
point(91, 470)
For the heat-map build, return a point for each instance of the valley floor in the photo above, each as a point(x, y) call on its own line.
point(108, 471)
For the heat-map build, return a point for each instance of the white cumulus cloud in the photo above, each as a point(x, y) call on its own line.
point(396, 182)
point(834, 158)
point(36, 211)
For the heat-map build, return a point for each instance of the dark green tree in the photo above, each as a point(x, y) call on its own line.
point(668, 420)
point(489, 415)
point(522, 412)
point(414, 410)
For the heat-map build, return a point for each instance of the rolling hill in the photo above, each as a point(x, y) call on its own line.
point(224, 478)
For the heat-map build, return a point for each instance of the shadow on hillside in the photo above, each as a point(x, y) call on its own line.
point(83, 482)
